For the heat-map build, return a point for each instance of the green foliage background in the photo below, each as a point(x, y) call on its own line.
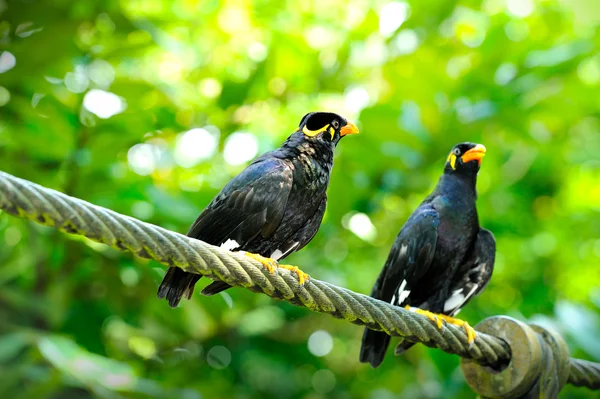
point(81, 320)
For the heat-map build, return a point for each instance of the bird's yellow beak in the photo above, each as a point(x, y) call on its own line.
point(475, 153)
point(350, 128)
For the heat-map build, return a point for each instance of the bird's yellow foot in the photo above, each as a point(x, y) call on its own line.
point(471, 334)
point(302, 277)
point(268, 263)
point(439, 320)
point(431, 316)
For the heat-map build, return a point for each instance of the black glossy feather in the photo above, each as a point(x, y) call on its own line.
point(475, 274)
point(251, 204)
point(409, 258)
point(273, 207)
point(471, 278)
point(302, 237)
point(438, 251)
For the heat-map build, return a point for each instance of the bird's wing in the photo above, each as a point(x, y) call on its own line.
point(409, 258)
point(305, 234)
point(252, 203)
point(478, 272)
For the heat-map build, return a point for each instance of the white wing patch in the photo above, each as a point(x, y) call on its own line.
point(457, 299)
point(401, 294)
point(278, 253)
point(230, 245)
point(403, 249)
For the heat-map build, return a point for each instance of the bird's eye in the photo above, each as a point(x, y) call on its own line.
point(456, 151)
point(335, 124)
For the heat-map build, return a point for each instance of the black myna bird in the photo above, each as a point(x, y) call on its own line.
point(273, 207)
point(441, 258)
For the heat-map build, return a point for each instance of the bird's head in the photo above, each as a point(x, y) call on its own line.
point(465, 158)
point(325, 127)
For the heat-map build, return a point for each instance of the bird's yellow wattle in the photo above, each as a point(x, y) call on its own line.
point(452, 160)
point(313, 133)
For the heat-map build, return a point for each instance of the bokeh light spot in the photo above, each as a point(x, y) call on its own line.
point(277, 86)
point(543, 244)
point(102, 73)
point(142, 346)
point(323, 381)
point(12, 236)
point(4, 96)
point(458, 66)
point(516, 30)
point(129, 276)
point(194, 146)
point(218, 357)
point(142, 210)
point(240, 147)
point(234, 18)
point(210, 87)
point(143, 158)
point(261, 320)
point(391, 17)
point(356, 99)
point(519, 8)
point(77, 81)
point(319, 37)
point(588, 71)
point(170, 68)
point(370, 53)
point(360, 224)
point(505, 73)
point(7, 61)
point(103, 104)
point(320, 343)
point(257, 51)
point(405, 42)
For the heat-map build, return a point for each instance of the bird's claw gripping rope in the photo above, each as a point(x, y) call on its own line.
point(471, 334)
point(439, 320)
point(272, 266)
point(302, 277)
point(431, 316)
point(268, 263)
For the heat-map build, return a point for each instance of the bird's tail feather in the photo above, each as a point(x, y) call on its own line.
point(403, 347)
point(214, 288)
point(177, 284)
point(374, 345)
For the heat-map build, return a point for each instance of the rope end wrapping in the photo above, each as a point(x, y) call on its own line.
point(539, 366)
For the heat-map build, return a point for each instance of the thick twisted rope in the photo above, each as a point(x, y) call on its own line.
point(584, 374)
point(24, 199)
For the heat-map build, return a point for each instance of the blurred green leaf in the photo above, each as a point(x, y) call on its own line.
point(88, 368)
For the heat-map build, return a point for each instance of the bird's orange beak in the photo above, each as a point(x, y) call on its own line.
point(350, 128)
point(475, 153)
